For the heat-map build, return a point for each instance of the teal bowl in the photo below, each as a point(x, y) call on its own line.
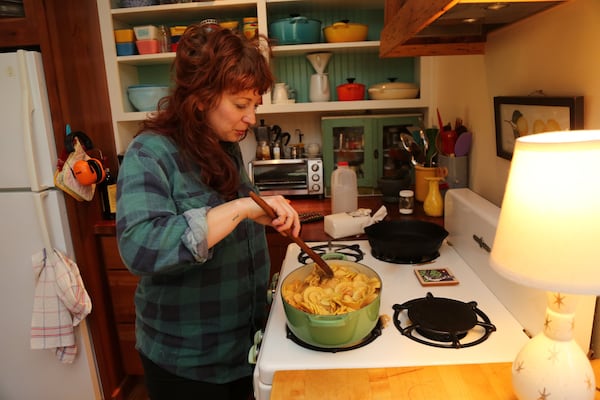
point(146, 97)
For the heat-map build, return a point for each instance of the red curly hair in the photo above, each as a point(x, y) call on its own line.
point(208, 65)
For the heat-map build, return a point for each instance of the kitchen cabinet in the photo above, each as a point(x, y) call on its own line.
point(367, 143)
point(121, 287)
point(350, 59)
point(23, 30)
point(449, 27)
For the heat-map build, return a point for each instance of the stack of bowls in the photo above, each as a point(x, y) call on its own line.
point(147, 39)
point(124, 40)
point(176, 32)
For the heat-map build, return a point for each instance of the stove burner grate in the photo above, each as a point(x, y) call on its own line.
point(396, 260)
point(374, 334)
point(331, 251)
point(443, 322)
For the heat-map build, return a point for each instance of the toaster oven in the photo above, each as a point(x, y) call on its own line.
point(288, 177)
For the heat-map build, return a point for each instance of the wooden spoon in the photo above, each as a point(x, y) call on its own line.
point(325, 268)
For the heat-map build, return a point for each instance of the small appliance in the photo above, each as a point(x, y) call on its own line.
point(288, 177)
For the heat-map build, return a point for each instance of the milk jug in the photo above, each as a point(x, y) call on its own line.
point(344, 190)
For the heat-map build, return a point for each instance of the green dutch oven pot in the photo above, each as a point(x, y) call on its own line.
point(332, 331)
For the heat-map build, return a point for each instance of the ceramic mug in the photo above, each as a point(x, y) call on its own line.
point(313, 149)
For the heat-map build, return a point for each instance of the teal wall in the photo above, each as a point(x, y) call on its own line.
point(366, 68)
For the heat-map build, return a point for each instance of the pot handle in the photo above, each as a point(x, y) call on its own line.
point(340, 24)
point(299, 19)
point(331, 322)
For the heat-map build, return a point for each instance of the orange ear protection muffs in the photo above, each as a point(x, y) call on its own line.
point(89, 172)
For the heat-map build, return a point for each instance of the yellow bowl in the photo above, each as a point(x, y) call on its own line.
point(124, 35)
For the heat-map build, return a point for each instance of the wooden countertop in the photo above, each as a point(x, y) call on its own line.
point(446, 382)
point(314, 231)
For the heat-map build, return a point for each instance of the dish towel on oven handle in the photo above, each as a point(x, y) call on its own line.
point(60, 303)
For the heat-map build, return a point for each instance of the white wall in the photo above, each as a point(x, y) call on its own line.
point(557, 51)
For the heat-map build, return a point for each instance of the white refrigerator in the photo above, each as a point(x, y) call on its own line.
point(33, 217)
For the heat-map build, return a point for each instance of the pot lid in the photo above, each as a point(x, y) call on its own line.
point(351, 84)
point(344, 24)
point(393, 86)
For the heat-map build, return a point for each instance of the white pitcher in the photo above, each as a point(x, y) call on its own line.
point(319, 87)
point(280, 93)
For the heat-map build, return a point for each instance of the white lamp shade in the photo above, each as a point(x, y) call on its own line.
point(548, 235)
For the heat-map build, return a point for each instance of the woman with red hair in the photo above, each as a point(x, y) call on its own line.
point(187, 228)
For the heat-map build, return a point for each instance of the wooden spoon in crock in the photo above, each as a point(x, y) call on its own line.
point(325, 268)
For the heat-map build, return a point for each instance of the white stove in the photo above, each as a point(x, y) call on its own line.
point(399, 284)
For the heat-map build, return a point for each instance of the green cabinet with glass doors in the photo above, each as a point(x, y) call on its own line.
point(366, 142)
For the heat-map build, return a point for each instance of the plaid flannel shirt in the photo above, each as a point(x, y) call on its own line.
point(196, 308)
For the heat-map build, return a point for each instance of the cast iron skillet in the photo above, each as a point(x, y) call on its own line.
point(408, 241)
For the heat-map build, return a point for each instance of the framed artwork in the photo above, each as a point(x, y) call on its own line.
point(520, 116)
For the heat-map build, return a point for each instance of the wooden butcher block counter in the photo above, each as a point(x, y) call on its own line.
point(446, 382)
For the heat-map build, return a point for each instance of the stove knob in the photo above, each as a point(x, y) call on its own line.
point(253, 352)
point(271, 289)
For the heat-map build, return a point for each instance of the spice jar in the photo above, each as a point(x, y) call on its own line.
point(250, 27)
point(406, 202)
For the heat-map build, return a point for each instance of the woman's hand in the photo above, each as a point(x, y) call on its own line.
point(223, 219)
point(287, 216)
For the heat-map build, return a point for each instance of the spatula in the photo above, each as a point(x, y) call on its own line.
point(326, 270)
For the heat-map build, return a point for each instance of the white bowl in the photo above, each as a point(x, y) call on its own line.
point(146, 97)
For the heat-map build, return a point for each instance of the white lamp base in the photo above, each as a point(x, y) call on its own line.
point(552, 365)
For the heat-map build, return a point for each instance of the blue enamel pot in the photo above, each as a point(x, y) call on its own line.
point(295, 30)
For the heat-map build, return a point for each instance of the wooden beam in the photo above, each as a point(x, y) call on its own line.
point(437, 49)
point(406, 18)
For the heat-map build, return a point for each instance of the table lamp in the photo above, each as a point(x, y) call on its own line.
point(548, 237)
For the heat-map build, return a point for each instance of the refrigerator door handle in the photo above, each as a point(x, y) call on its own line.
point(27, 119)
point(41, 216)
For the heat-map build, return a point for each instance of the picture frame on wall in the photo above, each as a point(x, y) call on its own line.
point(521, 116)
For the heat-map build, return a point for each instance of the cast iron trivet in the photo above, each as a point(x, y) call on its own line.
point(442, 322)
point(331, 251)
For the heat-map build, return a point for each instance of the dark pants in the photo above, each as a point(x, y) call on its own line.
point(163, 385)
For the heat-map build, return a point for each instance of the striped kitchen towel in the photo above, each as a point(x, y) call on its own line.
point(60, 303)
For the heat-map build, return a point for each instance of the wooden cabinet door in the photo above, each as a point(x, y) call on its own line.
point(29, 30)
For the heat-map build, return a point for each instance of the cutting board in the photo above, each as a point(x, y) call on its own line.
point(465, 382)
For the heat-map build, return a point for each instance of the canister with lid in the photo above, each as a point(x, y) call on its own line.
point(250, 27)
point(210, 25)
